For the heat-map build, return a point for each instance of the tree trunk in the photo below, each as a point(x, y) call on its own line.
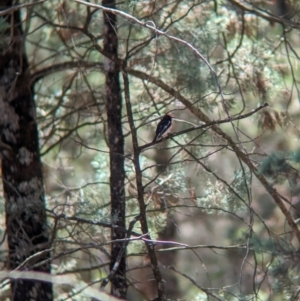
point(21, 166)
point(116, 146)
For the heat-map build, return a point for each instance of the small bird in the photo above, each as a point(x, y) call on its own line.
point(163, 127)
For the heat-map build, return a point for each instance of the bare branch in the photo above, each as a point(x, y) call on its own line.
point(140, 191)
point(36, 76)
point(16, 7)
point(243, 5)
point(203, 126)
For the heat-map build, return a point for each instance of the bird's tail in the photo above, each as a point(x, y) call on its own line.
point(155, 138)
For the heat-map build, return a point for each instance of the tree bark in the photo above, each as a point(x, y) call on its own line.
point(22, 174)
point(116, 146)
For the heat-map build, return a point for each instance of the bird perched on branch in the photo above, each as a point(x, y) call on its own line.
point(163, 127)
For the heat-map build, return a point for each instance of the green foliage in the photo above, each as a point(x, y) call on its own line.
point(295, 156)
point(274, 164)
point(270, 246)
point(278, 167)
point(193, 81)
point(228, 197)
point(283, 278)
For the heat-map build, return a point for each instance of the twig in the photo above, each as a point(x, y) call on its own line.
point(205, 290)
point(94, 223)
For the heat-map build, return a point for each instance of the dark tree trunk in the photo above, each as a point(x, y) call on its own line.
point(116, 146)
point(21, 166)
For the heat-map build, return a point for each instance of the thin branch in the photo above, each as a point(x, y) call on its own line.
point(36, 76)
point(121, 252)
point(209, 124)
point(17, 7)
point(265, 15)
point(140, 191)
point(205, 290)
point(94, 223)
point(186, 247)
